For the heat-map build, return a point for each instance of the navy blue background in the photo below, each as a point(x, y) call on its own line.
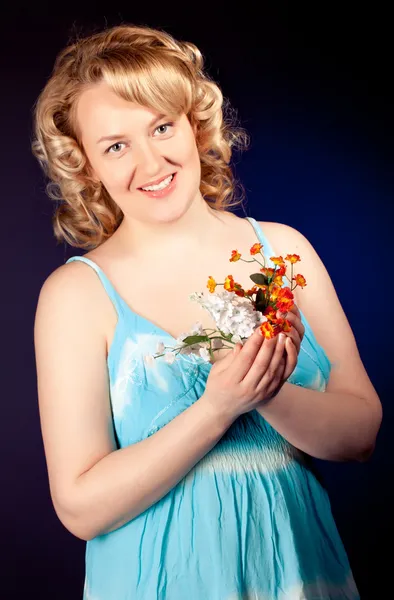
point(313, 88)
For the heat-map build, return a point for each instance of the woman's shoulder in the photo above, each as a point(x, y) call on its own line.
point(275, 233)
point(283, 238)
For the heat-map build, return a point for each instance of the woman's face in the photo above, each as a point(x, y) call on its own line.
point(130, 146)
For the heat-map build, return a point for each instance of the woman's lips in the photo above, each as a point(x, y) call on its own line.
point(161, 193)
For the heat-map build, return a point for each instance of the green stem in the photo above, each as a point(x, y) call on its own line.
point(218, 337)
point(210, 348)
point(255, 260)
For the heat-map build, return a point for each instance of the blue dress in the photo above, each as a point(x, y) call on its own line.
point(250, 521)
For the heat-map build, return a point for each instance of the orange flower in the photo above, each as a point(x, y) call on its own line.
point(235, 255)
point(269, 271)
point(274, 296)
point(252, 291)
point(293, 258)
point(229, 283)
point(300, 280)
point(270, 313)
point(286, 325)
point(256, 248)
point(285, 292)
point(267, 330)
point(278, 279)
point(278, 260)
point(285, 300)
point(211, 285)
point(274, 292)
point(238, 289)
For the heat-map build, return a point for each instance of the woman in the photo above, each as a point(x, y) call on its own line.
point(190, 479)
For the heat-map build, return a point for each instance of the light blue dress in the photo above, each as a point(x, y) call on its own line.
point(249, 522)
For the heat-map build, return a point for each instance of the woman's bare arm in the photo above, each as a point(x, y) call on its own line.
point(95, 487)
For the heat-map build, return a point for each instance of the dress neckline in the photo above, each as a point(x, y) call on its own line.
point(125, 306)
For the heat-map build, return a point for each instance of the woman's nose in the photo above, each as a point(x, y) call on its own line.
point(147, 158)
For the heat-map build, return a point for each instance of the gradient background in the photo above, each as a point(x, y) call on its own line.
point(312, 85)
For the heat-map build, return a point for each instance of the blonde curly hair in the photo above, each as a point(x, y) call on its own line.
point(148, 67)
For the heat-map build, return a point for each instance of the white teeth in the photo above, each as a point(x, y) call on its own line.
point(160, 186)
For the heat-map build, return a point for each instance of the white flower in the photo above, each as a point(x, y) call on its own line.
point(160, 347)
point(217, 343)
point(180, 338)
point(169, 357)
point(191, 349)
point(197, 329)
point(195, 296)
point(149, 360)
point(205, 354)
point(262, 318)
point(231, 313)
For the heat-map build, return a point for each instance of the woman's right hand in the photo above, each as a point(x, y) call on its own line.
point(249, 374)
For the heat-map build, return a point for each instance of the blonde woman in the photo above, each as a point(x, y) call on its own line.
point(187, 479)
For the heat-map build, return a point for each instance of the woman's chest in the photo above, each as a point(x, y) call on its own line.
point(165, 302)
point(160, 294)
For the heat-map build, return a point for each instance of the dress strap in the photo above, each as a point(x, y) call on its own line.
point(267, 248)
point(109, 288)
point(309, 333)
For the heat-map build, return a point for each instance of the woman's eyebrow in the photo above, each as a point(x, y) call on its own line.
point(115, 136)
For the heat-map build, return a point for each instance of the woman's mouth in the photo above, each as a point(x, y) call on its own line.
point(163, 189)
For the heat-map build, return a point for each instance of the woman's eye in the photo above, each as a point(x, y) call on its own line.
point(116, 148)
point(165, 125)
point(108, 151)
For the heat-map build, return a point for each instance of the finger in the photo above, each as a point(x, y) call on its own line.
point(294, 336)
point(291, 311)
point(224, 362)
point(294, 320)
point(237, 348)
point(297, 329)
point(291, 360)
point(295, 310)
point(266, 362)
point(246, 357)
point(297, 324)
point(278, 381)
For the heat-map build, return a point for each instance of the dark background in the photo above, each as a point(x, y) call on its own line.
point(312, 85)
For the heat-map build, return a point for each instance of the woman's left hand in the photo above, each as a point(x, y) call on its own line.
point(289, 359)
point(297, 330)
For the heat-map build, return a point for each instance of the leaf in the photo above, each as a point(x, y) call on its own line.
point(195, 339)
point(227, 336)
point(259, 278)
point(261, 301)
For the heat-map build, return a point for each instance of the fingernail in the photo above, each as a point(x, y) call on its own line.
point(282, 337)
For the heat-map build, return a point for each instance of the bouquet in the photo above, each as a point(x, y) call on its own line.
point(237, 312)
